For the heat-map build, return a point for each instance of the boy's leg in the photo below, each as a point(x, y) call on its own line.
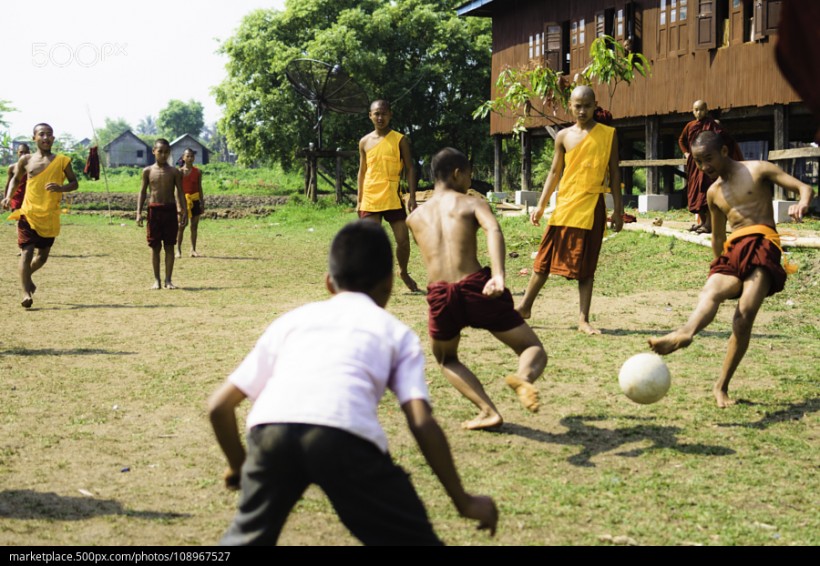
point(402, 236)
point(537, 281)
point(718, 288)
point(180, 234)
point(585, 302)
point(194, 227)
point(373, 497)
point(755, 289)
point(465, 381)
point(31, 260)
point(155, 253)
point(273, 479)
point(169, 264)
point(532, 359)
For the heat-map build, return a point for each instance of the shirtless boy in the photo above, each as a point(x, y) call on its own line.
point(747, 265)
point(38, 218)
point(586, 164)
point(16, 195)
point(382, 155)
point(166, 209)
point(195, 200)
point(460, 293)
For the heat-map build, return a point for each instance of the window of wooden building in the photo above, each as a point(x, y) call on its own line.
point(556, 46)
point(579, 52)
point(766, 17)
point(536, 47)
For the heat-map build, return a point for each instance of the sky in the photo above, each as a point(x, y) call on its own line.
point(74, 63)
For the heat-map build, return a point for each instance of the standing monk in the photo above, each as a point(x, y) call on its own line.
point(586, 164)
point(697, 182)
point(382, 155)
point(747, 264)
point(38, 218)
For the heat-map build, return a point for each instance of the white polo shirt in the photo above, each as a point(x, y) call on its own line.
point(329, 363)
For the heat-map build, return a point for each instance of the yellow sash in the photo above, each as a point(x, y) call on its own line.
point(190, 199)
point(41, 207)
point(767, 232)
point(381, 180)
point(585, 174)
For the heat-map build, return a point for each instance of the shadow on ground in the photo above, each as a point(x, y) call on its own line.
point(28, 504)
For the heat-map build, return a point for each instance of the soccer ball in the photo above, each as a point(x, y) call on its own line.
point(644, 378)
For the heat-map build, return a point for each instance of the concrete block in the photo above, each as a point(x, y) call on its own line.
point(781, 210)
point(527, 197)
point(495, 196)
point(653, 202)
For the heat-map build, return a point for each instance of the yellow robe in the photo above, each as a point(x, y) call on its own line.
point(41, 207)
point(584, 179)
point(381, 180)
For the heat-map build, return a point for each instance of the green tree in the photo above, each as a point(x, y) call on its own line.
point(147, 126)
point(110, 130)
point(179, 118)
point(432, 65)
point(5, 106)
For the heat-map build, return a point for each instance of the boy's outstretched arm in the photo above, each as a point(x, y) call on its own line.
point(554, 176)
point(361, 175)
point(142, 195)
point(496, 248)
point(779, 177)
point(222, 412)
point(412, 181)
point(436, 450)
point(179, 195)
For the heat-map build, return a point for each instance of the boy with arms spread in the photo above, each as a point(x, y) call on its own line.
point(16, 194)
point(195, 200)
point(166, 209)
point(586, 164)
point(314, 418)
point(38, 218)
point(460, 293)
point(747, 265)
point(382, 155)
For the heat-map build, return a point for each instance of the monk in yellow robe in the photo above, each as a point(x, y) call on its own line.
point(586, 164)
point(38, 219)
point(383, 153)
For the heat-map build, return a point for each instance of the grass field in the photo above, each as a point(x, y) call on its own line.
point(104, 438)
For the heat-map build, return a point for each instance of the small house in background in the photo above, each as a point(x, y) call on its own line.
point(185, 141)
point(127, 149)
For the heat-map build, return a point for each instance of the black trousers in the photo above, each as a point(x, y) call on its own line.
point(372, 496)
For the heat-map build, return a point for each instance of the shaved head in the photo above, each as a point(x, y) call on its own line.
point(708, 141)
point(700, 104)
point(582, 91)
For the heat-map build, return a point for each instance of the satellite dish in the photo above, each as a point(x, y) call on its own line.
point(327, 87)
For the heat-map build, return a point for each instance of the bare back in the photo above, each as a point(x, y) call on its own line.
point(445, 230)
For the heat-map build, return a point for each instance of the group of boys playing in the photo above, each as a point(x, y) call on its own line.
point(314, 418)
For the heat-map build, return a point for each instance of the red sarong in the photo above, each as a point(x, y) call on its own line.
point(454, 306)
point(26, 235)
point(572, 252)
point(746, 254)
point(162, 225)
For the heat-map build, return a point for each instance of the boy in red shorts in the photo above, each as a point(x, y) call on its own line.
point(460, 293)
point(195, 200)
point(747, 265)
point(164, 204)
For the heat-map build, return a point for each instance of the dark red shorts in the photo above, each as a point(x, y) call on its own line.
point(748, 253)
point(388, 215)
point(454, 306)
point(162, 225)
point(27, 236)
point(196, 208)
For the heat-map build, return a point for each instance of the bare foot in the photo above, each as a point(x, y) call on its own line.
point(525, 313)
point(27, 301)
point(485, 419)
point(722, 398)
point(156, 285)
point(411, 284)
point(669, 343)
point(194, 254)
point(169, 285)
point(587, 328)
point(526, 391)
point(178, 254)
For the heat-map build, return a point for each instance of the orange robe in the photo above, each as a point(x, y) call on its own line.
point(698, 182)
point(381, 180)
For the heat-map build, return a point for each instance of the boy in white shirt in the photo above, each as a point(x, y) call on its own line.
point(316, 377)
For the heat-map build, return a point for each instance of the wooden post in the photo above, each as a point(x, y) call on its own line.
point(626, 172)
point(652, 129)
point(781, 139)
point(338, 175)
point(668, 150)
point(498, 166)
point(526, 161)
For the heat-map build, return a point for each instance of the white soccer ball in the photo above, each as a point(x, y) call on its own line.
point(644, 378)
